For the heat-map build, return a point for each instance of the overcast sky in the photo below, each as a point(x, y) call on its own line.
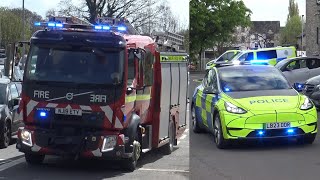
point(180, 8)
point(272, 10)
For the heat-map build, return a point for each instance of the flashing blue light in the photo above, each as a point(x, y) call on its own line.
point(299, 86)
point(51, 24)
point(106, 27)
point(290, 130)
point(98, 27)
point(59, 25)
point(259, 61)
point(37, 23)
point(121, 28)
point(260, 132)
point(43, 114)
point(227, 89)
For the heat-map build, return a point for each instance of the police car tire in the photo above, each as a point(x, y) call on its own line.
point(222, 142)
point(5, 135)
point(34, 159)
point(195, 125)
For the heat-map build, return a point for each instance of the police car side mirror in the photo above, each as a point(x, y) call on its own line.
point(209, 90)
point(298, 87)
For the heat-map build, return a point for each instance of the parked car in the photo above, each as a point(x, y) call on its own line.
point(9, 101)
point(3, 58)
point(17, 73)
point(299, 69)
point(311, 88)
point(226, 56)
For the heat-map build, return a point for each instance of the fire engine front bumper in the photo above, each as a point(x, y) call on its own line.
point(104, 145)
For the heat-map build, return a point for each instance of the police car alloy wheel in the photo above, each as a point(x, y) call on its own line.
point(221, 143)
point(195, 125)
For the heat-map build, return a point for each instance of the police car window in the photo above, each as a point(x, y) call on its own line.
point(14, 91)
point(205, 80)
point(264, 55)
point(252, 79)
point(75, 64)
point(294, 65)
point(212, 79)
point(313, 63)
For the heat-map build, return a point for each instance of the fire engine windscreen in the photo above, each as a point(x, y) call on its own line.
point(85, 65)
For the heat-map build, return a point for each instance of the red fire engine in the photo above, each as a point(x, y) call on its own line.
point(100, 91)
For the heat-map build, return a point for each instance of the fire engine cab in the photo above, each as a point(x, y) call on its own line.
point(100, 91)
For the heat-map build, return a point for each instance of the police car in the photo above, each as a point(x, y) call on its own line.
point(256, 102)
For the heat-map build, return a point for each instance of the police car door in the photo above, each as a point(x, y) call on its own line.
point(208, 100)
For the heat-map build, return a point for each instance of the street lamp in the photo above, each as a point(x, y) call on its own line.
point(23, 28)
point(302, 33)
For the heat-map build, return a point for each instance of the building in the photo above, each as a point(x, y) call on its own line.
point(169, 39)
point(312, 28)
point(261, 34)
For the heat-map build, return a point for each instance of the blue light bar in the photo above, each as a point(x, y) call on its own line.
point(259, 61)
point(98, 27)
point(122, 28)
point(106, 27)
point(51, 24)
point(37, 23)
point(59, 25)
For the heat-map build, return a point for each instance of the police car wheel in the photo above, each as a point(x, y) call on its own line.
point(34, 159)
point(5, 137)
point(195, 124)
point(221, 143)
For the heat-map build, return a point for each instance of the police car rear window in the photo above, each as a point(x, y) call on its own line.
point(252, 79)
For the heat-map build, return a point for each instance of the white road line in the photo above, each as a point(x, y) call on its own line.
point(11, 164)
point(164, 170)
point(183, 136)
point(178, 142)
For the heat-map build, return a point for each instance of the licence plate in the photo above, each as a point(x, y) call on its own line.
point(68, 111)
point(277, 125)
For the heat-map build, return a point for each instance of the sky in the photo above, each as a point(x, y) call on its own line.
point(272, 10)
point(180, 8)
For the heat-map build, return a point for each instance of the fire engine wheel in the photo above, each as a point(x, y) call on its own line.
point(131, 163)
point(168, 148)
point(34, 159)
point(5, 136)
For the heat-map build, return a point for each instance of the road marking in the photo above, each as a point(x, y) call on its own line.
point(164, 170)
point(187, 130)
point(11, 164)
point(178, 142)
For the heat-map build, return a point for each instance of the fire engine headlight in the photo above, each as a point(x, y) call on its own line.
point(26, 137)
point(109, 142)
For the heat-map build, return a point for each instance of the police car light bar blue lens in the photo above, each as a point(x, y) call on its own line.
point(121, 28)
point(59, 25)
point(259, 61)
point(43, 114)
point(290, 130)
point(51, 24)
point(37, 23)
point(98, 27)
point(106, 27)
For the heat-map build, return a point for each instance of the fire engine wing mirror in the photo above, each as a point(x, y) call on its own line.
point(130, 90)
point(137, 55)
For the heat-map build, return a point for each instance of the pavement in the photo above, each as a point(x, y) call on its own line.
point(152, 165)
point(266, 161)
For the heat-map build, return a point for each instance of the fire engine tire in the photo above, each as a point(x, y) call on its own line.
point(5, 134)
point(34, 159)
point(195, 123)
point(168, 148)
point(131, 163)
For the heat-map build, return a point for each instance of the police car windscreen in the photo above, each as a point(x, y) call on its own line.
point(75, 64)
point(252, 79)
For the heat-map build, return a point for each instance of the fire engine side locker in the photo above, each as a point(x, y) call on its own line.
point(173, 89)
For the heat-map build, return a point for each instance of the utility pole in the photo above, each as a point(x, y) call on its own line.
point(149, 11)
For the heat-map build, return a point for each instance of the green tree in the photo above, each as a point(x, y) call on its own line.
point(293, 25)
point(212, 22)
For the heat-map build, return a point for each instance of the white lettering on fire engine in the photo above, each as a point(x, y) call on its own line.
point(41, 94)
point(98, 98)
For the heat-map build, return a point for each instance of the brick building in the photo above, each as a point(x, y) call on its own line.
point(312, 28)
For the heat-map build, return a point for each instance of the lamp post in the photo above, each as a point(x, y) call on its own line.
point(302, 33)
point(23, 28)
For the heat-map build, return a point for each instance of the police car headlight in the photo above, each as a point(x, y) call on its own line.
point(109, 142)
point(307, 104)
point(231, 108)
point(26, 137)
